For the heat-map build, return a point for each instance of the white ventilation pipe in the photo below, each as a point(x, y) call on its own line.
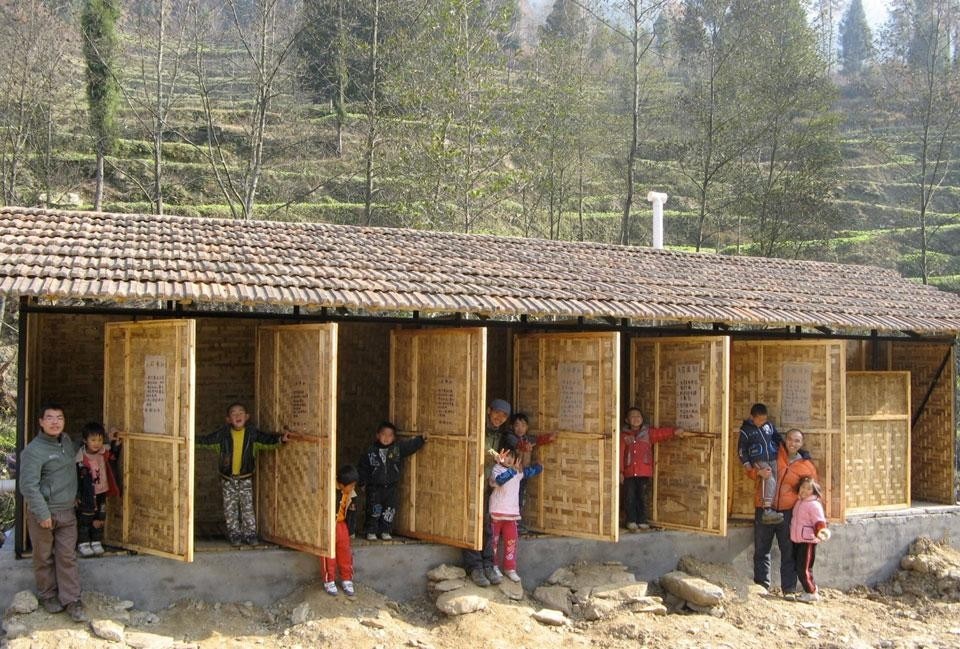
point(658, 199)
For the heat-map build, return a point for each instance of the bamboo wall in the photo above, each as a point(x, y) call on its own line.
point(877, 443)
point(932, 459)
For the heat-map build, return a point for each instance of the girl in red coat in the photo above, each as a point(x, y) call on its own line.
point(636, 464)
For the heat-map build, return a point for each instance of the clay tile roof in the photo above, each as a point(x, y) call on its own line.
point(62, 254)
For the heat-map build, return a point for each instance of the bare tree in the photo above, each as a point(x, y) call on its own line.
point(265, 34)
point(158, 50)
point(923, 79)
point(33, 74)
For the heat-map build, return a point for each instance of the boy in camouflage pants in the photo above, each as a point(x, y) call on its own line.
point(235, 440)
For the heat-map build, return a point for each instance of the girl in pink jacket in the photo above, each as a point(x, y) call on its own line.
point(505, 479)
point(807, 528)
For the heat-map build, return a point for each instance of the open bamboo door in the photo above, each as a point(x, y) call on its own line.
point(683, 382)
point(802, 384)
point(296, 391)
point(149, 380)
point(437, 388)
point(877, 457)
point(568, 384)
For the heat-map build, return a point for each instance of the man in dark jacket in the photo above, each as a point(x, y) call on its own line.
point(48, 484)
point(235, 440)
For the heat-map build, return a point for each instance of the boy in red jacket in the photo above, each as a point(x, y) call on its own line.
point(636, 464)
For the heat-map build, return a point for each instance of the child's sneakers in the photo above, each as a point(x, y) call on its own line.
point(771, 517)
point(386, 536)
point(85, 549)
point(348, 588)
point(97, 548)
point(809, 598)
point(331, 588)
point(513, 576)
point(632, 526)
point(371, 536)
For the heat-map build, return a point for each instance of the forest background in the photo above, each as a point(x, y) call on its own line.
point(782, 128)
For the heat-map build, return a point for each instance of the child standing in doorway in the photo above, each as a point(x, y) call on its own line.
point(347, 478)
point(235, 440)
point(505, 479)
point(636, 464)
point(380, 475)
point(96, 462)
point(757, 448)
point(808, 527)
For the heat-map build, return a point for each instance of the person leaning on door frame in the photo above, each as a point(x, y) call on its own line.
point(479, 563)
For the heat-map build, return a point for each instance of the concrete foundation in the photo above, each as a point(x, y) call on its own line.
point(865, 550)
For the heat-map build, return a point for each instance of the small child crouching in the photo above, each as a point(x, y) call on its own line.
point(347, 478)
point(505, 479)
point(96, 480)
point(808, 528)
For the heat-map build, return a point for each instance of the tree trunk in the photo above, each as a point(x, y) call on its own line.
point(98, 191)
point(634, 131)
point(371, 120)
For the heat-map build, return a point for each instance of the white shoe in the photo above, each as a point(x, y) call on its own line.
point(632, 527)
point(513, 576)
point(330, 587)
point(809, 597)
point(644, 526)
point(386, 536)
point(85, 550)
point(371, 537)
point(97, 547)
point(348, 588)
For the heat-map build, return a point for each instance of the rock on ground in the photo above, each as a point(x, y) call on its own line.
point(554, 597)
point(300, 614)
point(443, 572)
point(459, 602)
point(108, 630)
point(23, 602)
point(550, 616)
point(692, 589)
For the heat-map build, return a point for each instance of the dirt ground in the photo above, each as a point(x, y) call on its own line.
point(917, 608)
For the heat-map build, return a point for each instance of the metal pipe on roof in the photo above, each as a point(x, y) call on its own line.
point(658, 199)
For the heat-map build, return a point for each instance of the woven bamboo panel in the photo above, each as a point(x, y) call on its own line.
point(758, 376)
point(296, 483)
point(149, 380)
point(363, 386)
point(438, 383)
point(932, 459)
point(68, 366)
point(569, 385)
point(683, 382)
point(226, 362)
point(877, 457)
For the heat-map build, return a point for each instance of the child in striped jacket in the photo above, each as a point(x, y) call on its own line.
point(505, 479)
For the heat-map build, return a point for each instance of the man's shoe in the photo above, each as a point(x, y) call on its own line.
point(493, 574)
point(77, 612)
point(513, 576)
point(479, 578)
point(771, 517)
point(52, 605)
point(97, 548)
point(331, 588)
point(371, 537)
point(348, 588)
point(386, 536)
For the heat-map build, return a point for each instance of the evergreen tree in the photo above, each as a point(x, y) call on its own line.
point(856, 41)
point(98, 27)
